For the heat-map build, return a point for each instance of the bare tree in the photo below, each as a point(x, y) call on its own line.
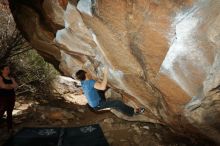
point(30, 70)
point(11, 41)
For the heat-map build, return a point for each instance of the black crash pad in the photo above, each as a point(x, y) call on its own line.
point(91, 135)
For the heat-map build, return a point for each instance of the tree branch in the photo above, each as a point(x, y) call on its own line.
point(20, 52)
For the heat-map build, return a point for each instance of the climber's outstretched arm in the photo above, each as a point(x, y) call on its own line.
point(102, 85)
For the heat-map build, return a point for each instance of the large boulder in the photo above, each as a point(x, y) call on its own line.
point(163, 55)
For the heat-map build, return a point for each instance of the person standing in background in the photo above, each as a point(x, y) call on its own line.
point(7, 95)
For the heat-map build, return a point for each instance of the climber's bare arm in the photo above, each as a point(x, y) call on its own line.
point(102, 85)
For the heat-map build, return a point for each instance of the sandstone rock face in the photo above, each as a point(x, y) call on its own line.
point(163, 55)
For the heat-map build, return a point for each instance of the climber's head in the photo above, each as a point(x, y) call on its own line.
point(81, 75)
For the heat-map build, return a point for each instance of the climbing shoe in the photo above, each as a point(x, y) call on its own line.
point(139, 111)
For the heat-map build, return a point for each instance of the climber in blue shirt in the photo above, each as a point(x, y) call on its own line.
point(90, 88)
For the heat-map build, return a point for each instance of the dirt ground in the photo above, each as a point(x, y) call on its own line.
point(57, 112)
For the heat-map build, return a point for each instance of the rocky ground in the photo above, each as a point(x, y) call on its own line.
point(61, 113)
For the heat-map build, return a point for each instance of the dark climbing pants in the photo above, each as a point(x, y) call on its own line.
point(7, 105)
point(117, 105)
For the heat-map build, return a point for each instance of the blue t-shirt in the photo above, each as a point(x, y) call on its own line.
point(90, 92)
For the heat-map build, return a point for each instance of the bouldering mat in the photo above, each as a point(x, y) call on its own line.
point(90, 135)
